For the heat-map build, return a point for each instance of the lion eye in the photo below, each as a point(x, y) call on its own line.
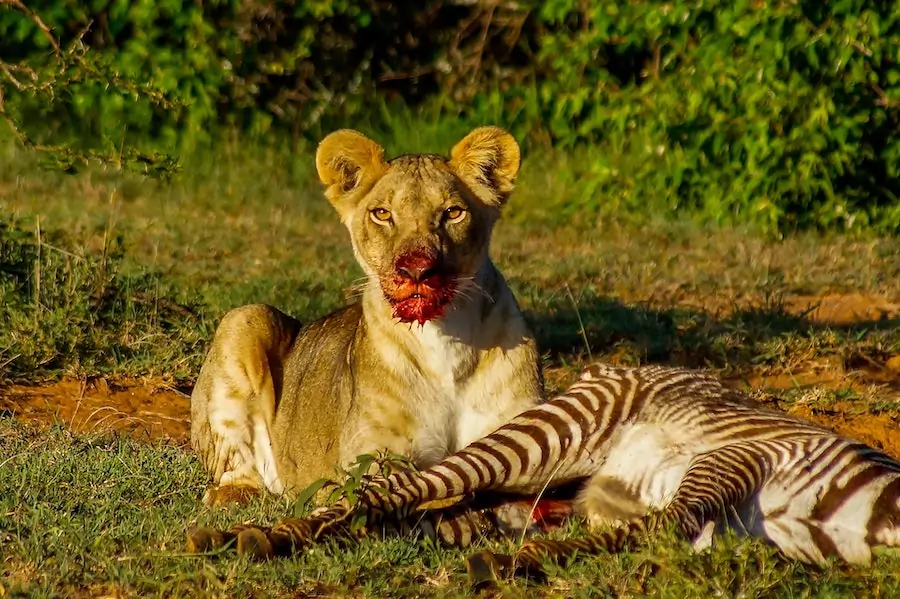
point(381, 216)
point(454, 214)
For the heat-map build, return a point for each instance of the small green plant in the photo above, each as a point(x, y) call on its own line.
point(365, 473)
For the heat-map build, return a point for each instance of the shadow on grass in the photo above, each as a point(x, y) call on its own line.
point(734, 341)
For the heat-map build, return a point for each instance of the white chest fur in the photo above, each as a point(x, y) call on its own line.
point(443, 367)
point(458, 388)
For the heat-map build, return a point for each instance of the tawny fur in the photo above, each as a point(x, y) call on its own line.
point(278, 405)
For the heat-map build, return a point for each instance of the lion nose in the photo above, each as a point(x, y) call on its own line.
point(418, 273)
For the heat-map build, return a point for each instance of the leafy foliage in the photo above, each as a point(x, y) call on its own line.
point(775, 113)
point(244, 63)
point(41, 80)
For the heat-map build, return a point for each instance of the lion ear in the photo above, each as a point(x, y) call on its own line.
point(488, 160)
point(347, 161)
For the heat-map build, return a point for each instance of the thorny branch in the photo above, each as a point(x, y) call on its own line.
point(70, 67)
point(34, 18)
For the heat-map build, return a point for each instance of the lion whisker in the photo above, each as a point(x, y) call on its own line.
point(467, 284)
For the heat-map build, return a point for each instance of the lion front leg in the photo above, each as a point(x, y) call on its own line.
point(233, 402)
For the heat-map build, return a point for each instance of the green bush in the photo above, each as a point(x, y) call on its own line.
point(249, 64)
point(65, 310)
point(780, 114)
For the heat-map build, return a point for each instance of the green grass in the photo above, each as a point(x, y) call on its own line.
point(98, 515)
point(113, 275)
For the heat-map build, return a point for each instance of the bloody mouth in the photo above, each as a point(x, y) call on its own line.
point(422, 307)
point(422, 297)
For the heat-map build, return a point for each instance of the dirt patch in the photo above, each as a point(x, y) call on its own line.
point(83, 406)
point(830, 309)
point(155, 411)
point(843, 309)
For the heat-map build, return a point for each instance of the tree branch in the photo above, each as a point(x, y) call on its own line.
point(34, 18)
point(71, 68)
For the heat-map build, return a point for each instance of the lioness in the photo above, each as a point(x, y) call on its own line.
point(435, 355)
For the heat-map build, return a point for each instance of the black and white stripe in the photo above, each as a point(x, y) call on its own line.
point(812, 493)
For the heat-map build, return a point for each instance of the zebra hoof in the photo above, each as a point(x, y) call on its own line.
point(203, 539)
point(485, 568)
point(255, 544)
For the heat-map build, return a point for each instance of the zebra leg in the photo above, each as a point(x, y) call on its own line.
point(491, 516)
point(291, 534)
point(722, 478)
point(262, 542)
point(508, 460)
point(607, 501)
point(458, 525)
point(540, 448)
